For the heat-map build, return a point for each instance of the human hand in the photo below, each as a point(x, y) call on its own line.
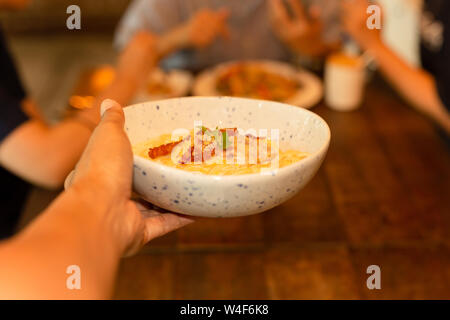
point(301, 32)
point(354, 21)
point(205, 26)
point(104, 174)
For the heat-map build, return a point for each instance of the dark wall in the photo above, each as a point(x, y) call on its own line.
point(50, 16)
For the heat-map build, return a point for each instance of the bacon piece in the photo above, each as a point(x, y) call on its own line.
point(233, 132)
point(230, 131)
point(162, 150)
point(207, 148)
point(208, 152)
point(250, 136)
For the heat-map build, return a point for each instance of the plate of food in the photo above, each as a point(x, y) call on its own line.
point(160, 84)
point(165, 84)
point(223, 156)
point(261, 79)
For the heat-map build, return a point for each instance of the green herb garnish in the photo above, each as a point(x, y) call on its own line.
point(223, 139)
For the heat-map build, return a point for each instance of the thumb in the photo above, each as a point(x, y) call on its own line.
point(109, 129)
point(111, 112)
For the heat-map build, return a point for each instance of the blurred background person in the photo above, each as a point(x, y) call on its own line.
point(32, 151)
point(427, 88)
point(251, 29)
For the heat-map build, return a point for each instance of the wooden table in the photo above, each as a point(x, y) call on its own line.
point(381, 197)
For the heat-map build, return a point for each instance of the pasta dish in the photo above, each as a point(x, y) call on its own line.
point(226, 151)
point(252, 81)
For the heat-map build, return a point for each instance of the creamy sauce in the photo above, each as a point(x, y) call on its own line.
point(215, 166)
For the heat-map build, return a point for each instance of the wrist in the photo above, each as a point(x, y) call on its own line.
point(90, 193)
point(98, 210)
point(173, 40)
point(165, 46)
point(371, 43)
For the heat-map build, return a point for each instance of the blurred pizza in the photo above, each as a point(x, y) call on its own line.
point(254, 81)
point(260, 79)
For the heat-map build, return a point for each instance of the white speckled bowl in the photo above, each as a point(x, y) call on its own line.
point(224, 196)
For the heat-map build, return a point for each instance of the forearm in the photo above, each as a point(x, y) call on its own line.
point(74, 231)
point(122, 90)
point(45, 155)
point(414, 84)
point(173, 40)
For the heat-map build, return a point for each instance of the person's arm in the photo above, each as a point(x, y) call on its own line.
point(416, 85)
point(91, 225)
point(163, 18)
point(198, 32)
point(45, 155)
